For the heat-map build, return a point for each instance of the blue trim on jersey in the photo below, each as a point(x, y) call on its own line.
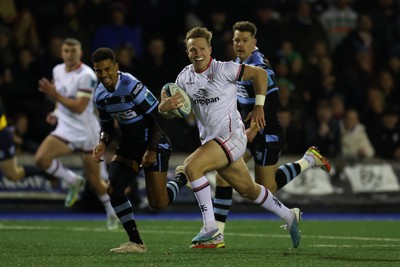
point(164, 146)
point(256, 59)
point(246, 100)
point(271, 138)
point(140, 97)
point(252, 100)
point(272, 90)
point(151, 100)
point(137, 118)
point(245, 88)
point(270, 73)
point(151, 108)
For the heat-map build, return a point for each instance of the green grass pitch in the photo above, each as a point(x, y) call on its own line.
point(249, 243)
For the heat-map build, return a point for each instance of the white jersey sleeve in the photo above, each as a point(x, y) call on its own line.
point(86, 84)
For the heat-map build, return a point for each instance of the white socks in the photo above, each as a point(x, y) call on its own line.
point(306, 162)
point(271, 203)
point(58, 170)
point(202, 191)
point(105, 200)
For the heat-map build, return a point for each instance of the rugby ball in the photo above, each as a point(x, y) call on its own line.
point(184, 111)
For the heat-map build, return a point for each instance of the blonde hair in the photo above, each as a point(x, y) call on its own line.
point(199, 32)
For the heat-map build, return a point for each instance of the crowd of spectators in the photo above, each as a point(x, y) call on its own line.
point(337, 62)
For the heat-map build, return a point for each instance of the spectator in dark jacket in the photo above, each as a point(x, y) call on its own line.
point(324, 130)
point(386, 136)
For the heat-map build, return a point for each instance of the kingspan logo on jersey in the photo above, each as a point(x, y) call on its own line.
point(201, 97)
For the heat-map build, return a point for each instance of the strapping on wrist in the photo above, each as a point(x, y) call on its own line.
point(260, 100)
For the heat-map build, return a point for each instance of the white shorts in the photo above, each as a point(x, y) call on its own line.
point(78, 140)
point(233, 144)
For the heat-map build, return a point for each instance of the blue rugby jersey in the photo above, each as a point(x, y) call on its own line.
point(246, 97)
point(130, 105)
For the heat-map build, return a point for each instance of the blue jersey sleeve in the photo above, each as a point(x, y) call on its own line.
point(143, 98)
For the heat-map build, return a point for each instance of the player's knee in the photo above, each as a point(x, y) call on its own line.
point(116, 194)
point(120, 177)
point(193, 169)
point(116, 190)
point(42, 162)
point(157, 204)
point(158, 197)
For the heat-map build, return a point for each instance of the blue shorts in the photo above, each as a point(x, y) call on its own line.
point(137, 150)
point(266, 149)
point(7, 147)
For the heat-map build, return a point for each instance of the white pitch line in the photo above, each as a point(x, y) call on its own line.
point(354, 246)
point(354, 238)
point(26, 227)
point(176, 232)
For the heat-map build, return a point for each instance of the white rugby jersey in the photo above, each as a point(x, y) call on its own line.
point(213, 95)
point(79, 82)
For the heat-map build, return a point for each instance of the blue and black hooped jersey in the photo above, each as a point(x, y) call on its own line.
point(246, 96)
point(130, 104)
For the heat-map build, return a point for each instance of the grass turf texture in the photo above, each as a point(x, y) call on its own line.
point(249, 243)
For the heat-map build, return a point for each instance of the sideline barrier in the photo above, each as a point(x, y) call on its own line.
point(369, 183)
